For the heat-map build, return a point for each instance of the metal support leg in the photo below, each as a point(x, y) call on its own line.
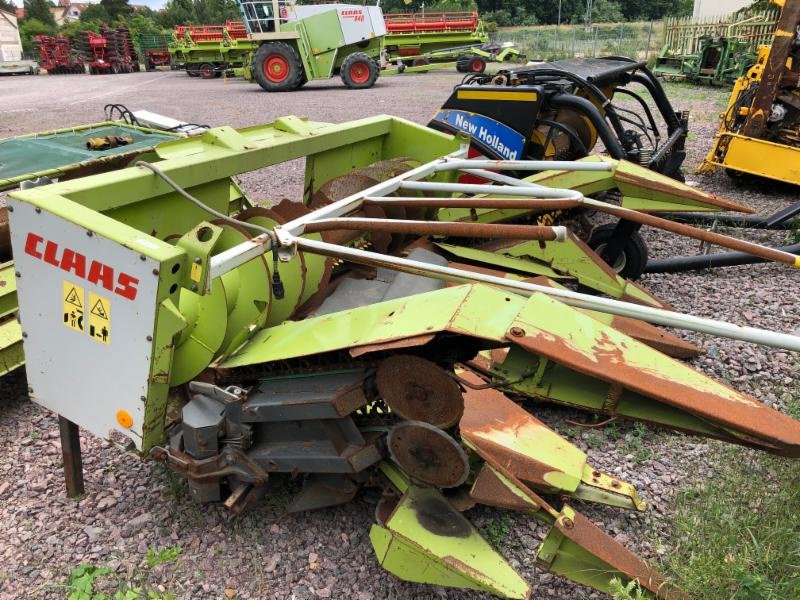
point(71, 451)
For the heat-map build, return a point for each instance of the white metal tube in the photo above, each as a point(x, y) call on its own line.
point(606, 305)
point(451, 164)
point(238, 255)
point(498, 190)
point(350, 203)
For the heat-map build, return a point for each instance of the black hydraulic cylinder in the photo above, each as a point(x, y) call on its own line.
point(679, 264)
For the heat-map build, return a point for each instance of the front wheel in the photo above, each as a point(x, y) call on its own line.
point(277, 67)
point(632, 261)
point(359, 71)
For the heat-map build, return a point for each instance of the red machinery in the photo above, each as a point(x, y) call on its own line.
point(94, 47)
point(212, 33)
point(431, 22)
point(56, 55)
point(154, 48)
point(120, 49)
point(110, 51)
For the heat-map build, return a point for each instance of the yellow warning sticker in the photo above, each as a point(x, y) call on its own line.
point(99, 318)
point(74, 306)
point(196, 273)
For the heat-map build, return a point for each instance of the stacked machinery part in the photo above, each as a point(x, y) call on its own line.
point(760, 129)
point(717, 58)
point(94, 49)
point(414, 34)
point(366, 338)
point(470, 58)
point(109, 51)
point(57, 56)
point(153, 50)
point(207, 51)
point(120, 50)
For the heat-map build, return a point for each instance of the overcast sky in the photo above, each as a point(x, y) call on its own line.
point(154, 4)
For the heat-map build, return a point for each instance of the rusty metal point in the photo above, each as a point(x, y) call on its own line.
point(517, 331)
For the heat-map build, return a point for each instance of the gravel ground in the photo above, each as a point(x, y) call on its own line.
point(131, 506)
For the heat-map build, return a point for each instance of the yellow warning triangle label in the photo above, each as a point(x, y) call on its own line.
point(99, 310)
point(73, 298)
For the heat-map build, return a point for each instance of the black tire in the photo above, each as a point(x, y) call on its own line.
point(191, 70)
point(359, 71)
point(633, 260)
point(462, 64)
point(277, 67)
point(476, 65)
point(207, 71)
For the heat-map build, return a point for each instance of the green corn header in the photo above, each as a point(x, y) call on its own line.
point(368, 336)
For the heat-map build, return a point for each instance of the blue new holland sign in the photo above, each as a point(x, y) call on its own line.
point(506, 142)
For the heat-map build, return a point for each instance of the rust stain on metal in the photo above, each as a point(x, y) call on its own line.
point(654, 337)
point(491, 417)
point(696, 233)
point(428, 454)
point(622, 176)
point(407, 342)
point(489, 489)
point(770, 429)
point(469, 230)
point(419, 390)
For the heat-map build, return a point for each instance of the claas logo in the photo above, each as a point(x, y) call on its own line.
point(72, 261)
point(353, 14)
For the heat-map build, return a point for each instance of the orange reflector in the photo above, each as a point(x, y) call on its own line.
point(124, 419)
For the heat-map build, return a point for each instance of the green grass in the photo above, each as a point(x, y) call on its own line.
point(737, 535)
point(496, 530)
point(82, 580)
point(631, 591)
point(157, 557)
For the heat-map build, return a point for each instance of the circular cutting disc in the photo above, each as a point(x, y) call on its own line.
point(418, 390)
point(428, 454)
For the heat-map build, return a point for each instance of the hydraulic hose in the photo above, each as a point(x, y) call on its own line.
point(679, 264)
point(589, 110)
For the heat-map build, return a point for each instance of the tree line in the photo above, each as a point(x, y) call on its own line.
point(507, 13)
point(500, 13)
point(40, 21)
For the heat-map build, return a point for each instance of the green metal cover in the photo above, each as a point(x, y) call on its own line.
point(55, 152)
